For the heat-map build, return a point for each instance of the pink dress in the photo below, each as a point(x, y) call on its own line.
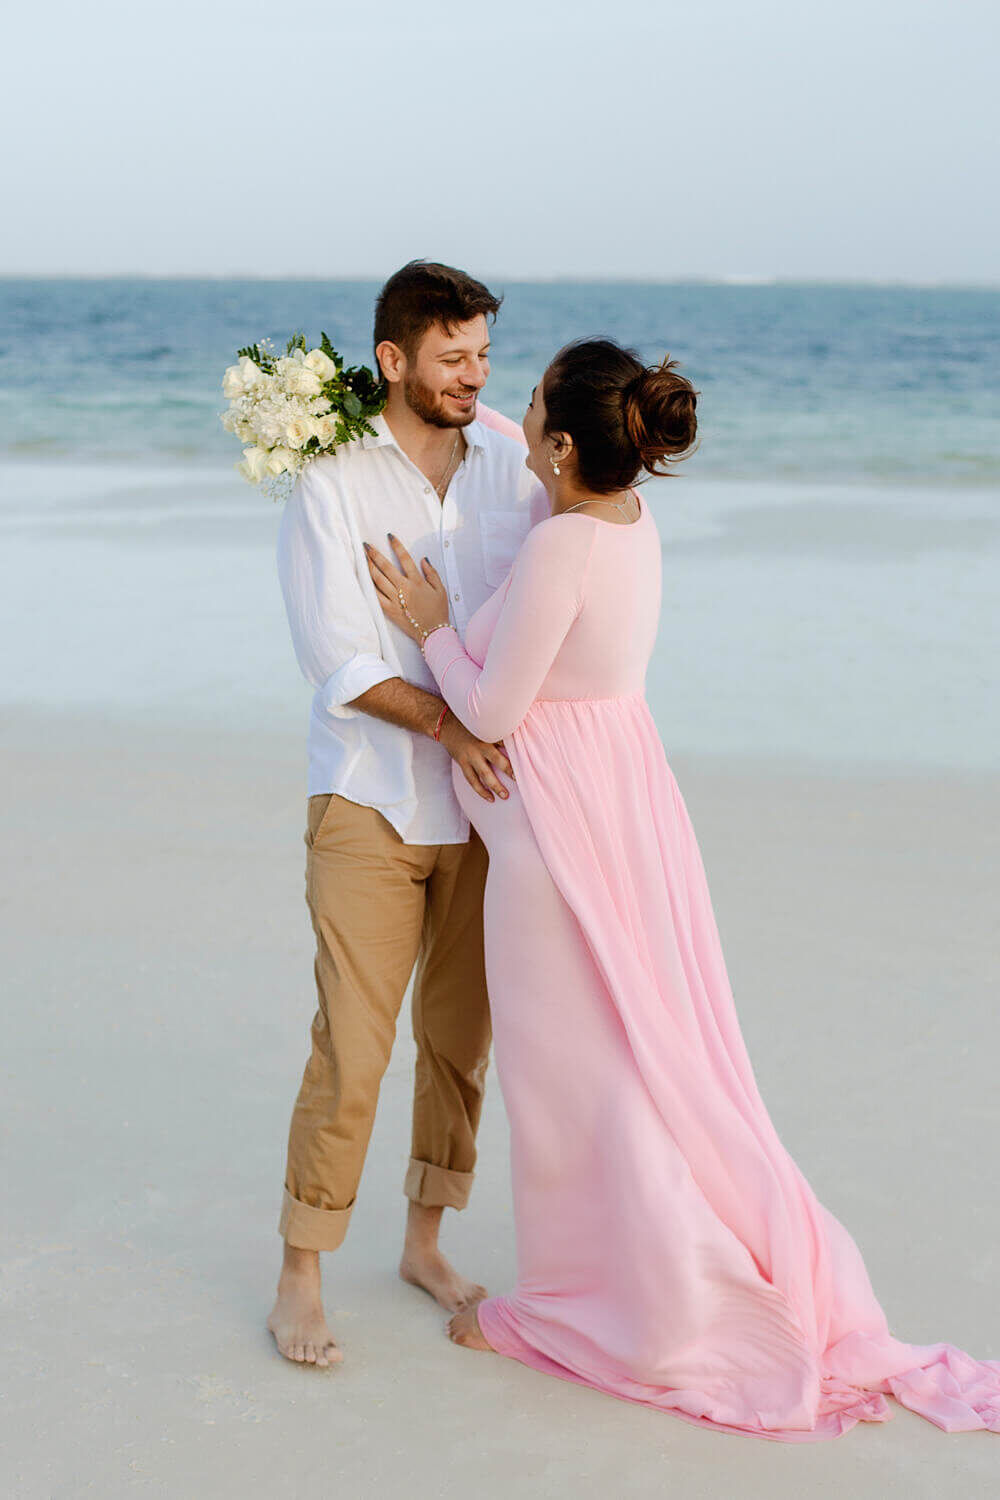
point(669, 1250)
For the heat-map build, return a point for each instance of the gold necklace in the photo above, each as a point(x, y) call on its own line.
point(596, 501)
point(447, 471)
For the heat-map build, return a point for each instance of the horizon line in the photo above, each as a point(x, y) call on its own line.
point(735, 279)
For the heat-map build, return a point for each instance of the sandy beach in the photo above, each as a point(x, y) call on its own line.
point(157, 959)
point(786, 207)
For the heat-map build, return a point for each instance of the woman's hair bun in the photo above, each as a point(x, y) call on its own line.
point(622, 416)
point(659, 412)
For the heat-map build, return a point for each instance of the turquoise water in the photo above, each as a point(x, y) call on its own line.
point(886, 384)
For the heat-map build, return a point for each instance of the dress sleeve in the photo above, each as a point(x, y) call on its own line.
point(333, 630)
point(544, 595)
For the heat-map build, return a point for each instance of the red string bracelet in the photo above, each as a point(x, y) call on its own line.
point(437, 727)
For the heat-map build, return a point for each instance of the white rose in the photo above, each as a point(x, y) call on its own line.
point(296, 379)
point(254, 467)
point(280, 459)
point(298, 432)
point(232, 384)
point(321, 364)
point(325, 429)
point(249, 373)
point(303, 382)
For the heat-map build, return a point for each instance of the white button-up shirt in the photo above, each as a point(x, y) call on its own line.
point(342, 639)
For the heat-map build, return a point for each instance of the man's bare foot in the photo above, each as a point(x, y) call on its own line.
point(430, 1270)
point(297, 1319)
point(423, 1264)
point(464, 1329)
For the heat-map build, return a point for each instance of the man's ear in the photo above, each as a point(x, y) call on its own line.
point(392, 361)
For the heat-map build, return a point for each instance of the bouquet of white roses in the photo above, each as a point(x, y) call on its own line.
point(292, 407)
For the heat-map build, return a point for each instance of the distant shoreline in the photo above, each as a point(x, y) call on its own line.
point(161, 465)
point(737, 280)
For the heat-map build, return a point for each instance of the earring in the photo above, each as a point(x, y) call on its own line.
point(555, 466)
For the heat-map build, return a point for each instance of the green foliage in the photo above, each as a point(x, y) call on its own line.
point(329, 350)
point(355, 394)
point(260, 356)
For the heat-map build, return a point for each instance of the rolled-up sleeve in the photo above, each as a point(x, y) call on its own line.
point(334, 632)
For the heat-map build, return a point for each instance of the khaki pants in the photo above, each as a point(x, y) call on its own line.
point(379, 905)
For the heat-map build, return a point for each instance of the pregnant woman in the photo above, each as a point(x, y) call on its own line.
point(669, 1250)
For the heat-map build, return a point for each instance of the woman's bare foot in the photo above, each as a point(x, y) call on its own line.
point(423, 1264)
point(464, 1329)
point(297, 1319)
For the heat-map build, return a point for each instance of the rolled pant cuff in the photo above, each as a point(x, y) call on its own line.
point(437, 1187)
point(312, 1228)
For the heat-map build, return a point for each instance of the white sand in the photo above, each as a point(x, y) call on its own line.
point(157, 964)
point(158, 967)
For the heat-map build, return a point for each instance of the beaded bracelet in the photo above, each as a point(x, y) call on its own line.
point(445, 625)
point(416, 623)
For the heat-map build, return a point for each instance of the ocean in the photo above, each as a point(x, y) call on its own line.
point(886, 384)
point(831, 554)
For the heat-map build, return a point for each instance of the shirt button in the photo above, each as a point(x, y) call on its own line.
point(427, 489)
point(457, 595)
point(447, 544)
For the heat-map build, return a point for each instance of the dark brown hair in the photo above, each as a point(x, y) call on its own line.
point(623, 416)
point(423, 293)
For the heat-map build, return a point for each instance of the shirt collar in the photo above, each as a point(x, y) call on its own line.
point(383, 437)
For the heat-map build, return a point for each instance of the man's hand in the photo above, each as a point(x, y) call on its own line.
point(478, 759)
point(412, 708)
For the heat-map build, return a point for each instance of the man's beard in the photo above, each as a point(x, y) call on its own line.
point(429, 407)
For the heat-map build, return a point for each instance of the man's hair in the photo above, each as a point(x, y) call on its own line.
point(424, 293)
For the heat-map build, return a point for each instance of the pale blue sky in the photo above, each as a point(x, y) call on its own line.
point(636, 138)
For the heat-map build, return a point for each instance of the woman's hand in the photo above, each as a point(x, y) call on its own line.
point(424, 601)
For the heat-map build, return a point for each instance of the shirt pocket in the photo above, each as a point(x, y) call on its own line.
point(502, 533)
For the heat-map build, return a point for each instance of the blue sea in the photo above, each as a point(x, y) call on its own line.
point(831, 555)
point(887, 384)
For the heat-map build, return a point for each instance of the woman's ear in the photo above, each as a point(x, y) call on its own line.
point(562, 446)
point(392, 361)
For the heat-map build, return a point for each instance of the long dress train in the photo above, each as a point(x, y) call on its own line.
point(669, 1250)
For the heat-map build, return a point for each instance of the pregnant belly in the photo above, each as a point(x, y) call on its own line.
point(501, 824)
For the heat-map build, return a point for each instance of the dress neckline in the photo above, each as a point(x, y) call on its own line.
point(621, 525)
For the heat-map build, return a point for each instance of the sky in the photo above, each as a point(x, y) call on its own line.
point(636, 139)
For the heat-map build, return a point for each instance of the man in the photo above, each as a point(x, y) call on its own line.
point(394, 873)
